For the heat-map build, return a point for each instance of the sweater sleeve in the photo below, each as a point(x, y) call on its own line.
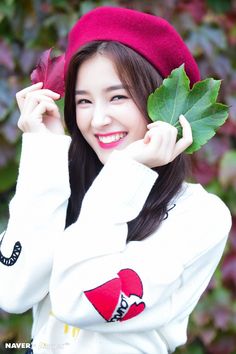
point(37, 216)
point(101, 283)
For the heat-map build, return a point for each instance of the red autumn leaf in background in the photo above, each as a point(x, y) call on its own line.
point(223, 344)
point(221, 317)
point(196, 8)
point(202, 171)
point(50, 71)
point(229, 128)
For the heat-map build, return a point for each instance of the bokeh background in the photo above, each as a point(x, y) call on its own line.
point(28, 27)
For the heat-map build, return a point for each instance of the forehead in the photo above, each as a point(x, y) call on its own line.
point(98, 68)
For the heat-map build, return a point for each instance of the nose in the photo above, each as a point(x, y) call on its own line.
point(100, 117)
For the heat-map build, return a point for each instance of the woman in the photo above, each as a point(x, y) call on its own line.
point(140, 245)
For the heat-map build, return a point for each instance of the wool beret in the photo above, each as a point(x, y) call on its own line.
point(150, 36)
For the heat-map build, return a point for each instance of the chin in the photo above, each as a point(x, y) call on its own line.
point(104, 157)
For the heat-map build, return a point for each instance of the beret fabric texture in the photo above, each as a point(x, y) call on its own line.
point(150, 36)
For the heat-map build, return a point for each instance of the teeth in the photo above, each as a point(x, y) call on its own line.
point(111, 138)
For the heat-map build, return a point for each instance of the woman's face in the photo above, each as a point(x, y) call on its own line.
point(106, 114)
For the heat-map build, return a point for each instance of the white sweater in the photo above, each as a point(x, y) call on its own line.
point(91, 292)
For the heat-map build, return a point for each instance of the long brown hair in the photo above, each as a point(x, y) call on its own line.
point(141, 78)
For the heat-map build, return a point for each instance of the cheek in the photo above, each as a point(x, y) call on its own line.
point(137, 122)
point(140, 131)
point(82, 120)
point(131, 116)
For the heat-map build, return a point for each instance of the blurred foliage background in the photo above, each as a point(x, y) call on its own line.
point(28, 27)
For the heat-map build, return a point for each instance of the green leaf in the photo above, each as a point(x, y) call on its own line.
point(198, 105)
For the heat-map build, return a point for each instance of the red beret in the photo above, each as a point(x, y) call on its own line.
point(151, 36)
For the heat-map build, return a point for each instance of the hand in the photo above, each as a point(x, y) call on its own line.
point(39, 113)
point(159, 146)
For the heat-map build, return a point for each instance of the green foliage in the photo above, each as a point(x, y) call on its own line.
point(14, 329)
point(198, 105)
point(28, 27)
point(220, 6)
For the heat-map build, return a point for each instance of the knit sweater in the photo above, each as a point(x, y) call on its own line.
point(91, 291)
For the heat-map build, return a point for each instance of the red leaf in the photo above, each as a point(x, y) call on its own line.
point(196, 8)
point(208, 335)
point(50, 72)
point(202, 171)
point(221, 317)
point(229, 128)
point(223, 344)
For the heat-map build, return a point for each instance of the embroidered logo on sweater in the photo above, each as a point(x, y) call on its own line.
point(9, 261)
point(120, 298)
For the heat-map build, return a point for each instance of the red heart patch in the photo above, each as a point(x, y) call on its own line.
point(116, 300)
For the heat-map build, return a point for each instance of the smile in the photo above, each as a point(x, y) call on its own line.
point(111, 138)
point(107, 141)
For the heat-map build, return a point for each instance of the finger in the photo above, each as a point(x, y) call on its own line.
point(163, 128)
point(162, 124)
point(36, 115)
point(33, 90)
point(37, 97)
point(44, 107)
point(154, 124)
point(146, 138)
point(37, 87)
point(45, 115)
point(150, 132)
point(32, 101)
point(187, 137)
point(187, 130)
point(30, 88)
point(153, 138)
point(45, 92)
point(20, 96)
point(167, 139)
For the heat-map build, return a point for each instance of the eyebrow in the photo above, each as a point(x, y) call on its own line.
point(108, 89)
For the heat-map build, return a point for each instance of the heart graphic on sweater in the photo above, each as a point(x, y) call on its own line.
point(116, 300)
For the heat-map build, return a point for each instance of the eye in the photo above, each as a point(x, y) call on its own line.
point(83, 101)
point(118, 97)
